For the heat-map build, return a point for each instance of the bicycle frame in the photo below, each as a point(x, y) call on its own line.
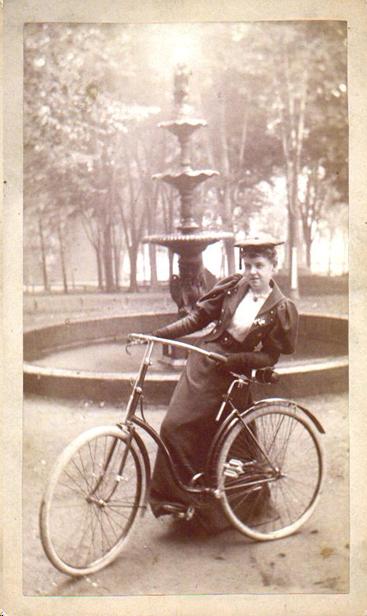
point(112, 467)
point(131, 420)
point(139, 382)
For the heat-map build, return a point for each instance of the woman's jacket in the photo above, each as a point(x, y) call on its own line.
point(274, 330)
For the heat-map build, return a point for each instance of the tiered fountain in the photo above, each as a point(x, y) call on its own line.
point(190, 240)
point(84, 358)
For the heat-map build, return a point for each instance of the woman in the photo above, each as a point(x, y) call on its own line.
point(254, 324)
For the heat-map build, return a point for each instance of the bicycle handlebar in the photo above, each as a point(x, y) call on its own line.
point(263, 375)
point(143, 338)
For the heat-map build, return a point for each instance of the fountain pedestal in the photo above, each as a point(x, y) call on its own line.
point(189, 241)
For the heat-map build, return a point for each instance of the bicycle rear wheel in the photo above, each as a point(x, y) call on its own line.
point(269, 470)
point(94, 494)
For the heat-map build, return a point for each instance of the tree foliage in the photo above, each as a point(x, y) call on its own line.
point(275, 98)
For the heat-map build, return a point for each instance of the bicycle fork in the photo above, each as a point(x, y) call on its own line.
point(101, 502)
point(130, 411)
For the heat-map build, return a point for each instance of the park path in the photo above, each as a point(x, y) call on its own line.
point(163, 557)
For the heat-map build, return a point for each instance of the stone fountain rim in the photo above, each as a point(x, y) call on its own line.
point(320, 373)
point(135, 315)
point(108, 338)
point(30, 368)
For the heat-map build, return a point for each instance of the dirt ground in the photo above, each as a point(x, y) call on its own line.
point(164, 557)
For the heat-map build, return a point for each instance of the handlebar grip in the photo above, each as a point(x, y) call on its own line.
point(137, 337)
point(217, 357)
point(267, 375)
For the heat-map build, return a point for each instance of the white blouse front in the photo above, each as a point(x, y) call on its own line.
point(245, 314)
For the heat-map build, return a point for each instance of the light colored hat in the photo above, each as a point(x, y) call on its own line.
point(256, 243)
point(262, 240)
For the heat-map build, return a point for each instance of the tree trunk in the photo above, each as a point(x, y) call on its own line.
point(287, 258)
point(99, 267)
point(308, 253)
point(293, 254)
point(231, 263)
point(308, 239)
point(116, 251)
point(170, 263)
point(244, 133)
point(107, 257)
point(293, 239)
point(227, 220)
point(62, 259)
point(152, 252)
point(95, 237)
point(116, 261)
point(133, 258)
point(227, 205)
point(292, 119)
point(43, 256)
point(153, 267)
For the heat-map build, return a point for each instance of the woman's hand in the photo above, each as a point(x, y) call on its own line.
point(236, 362)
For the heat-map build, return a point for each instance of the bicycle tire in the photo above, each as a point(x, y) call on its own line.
point(89, 507)
point(258, 503)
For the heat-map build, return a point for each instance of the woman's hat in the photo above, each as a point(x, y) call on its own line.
point(259, 241)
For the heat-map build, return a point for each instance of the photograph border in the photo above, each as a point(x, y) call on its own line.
point(16, 14)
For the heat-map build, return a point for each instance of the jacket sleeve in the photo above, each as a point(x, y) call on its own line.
point(281, 339)
point(283, 336)
point(187, 325)
point(242, 362)
point(207, 309)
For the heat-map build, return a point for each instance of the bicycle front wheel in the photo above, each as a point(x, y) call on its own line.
point(94, 494)
point(269, 472)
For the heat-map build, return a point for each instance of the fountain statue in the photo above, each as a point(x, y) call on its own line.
point(190, 240)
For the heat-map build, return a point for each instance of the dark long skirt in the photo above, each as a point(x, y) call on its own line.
point(190, 424)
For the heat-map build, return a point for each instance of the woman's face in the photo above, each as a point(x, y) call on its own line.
point(258, 271)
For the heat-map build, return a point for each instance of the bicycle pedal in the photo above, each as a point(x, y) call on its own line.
point(190, 513)
point(186, 515)
point(233, 468)
point(172, 509)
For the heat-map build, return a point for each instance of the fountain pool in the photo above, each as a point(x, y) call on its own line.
point(87, 359)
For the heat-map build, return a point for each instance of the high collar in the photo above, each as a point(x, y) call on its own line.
point(272, 300)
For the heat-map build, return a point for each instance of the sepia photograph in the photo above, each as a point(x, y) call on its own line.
point(184, 287)
point(185, 308)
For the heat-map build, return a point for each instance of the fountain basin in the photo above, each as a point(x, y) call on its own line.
point(188, 244)
point(186, 179)
point(87, 360)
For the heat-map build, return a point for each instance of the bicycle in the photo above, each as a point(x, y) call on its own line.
point(265, 467)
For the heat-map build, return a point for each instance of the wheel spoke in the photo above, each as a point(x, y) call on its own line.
point(91, 508)
point(76, 533)
point(73, 480)
point(83, 473)
point(285, 499)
